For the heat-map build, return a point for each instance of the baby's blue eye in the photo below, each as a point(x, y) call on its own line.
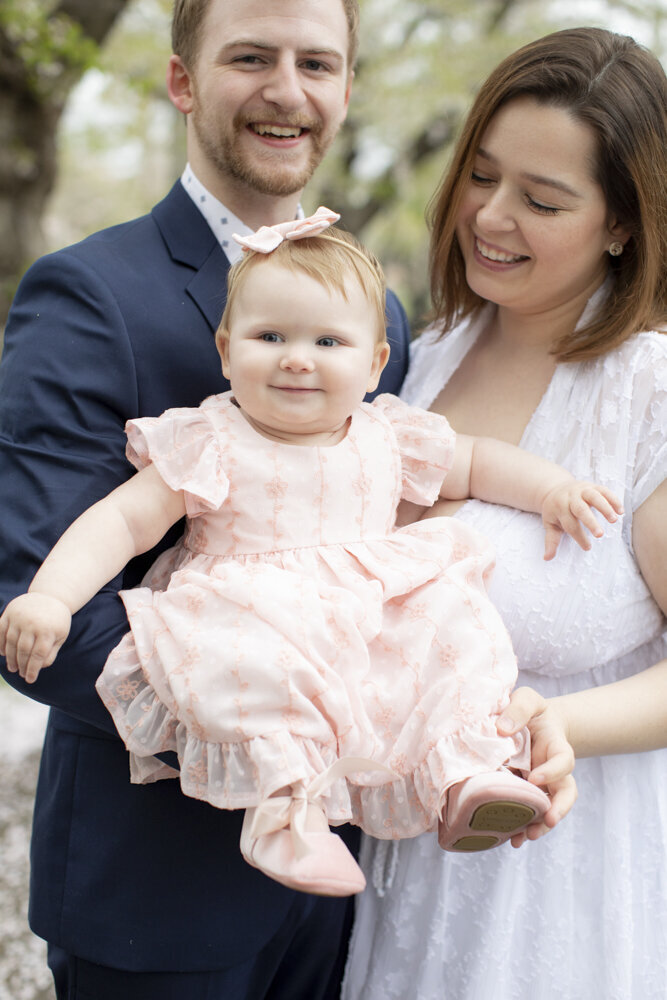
point(327, 342)
point(270, 337)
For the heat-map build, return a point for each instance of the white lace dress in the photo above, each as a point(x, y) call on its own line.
point(582, 913)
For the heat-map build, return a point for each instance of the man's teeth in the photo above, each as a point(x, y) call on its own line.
point(278, 131)
point(498, 255)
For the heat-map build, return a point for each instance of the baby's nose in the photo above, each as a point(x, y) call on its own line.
point(297, 360)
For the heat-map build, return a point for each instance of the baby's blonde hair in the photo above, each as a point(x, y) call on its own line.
point(329, 258)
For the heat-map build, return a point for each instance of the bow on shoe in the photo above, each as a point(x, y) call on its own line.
point(281, 811)
point(267, 238)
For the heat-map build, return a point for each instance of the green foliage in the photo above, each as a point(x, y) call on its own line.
point(122, 143)
point(137, 51)
point(51, 47)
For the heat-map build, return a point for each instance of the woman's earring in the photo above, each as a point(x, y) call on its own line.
point(616, 249)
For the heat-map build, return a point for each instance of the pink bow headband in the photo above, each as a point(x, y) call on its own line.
point(267, 238)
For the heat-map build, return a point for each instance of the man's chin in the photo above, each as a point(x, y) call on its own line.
point(275, 173)
point(279, 183)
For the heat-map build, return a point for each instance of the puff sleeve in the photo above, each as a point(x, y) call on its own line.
point(426, 445)
point(183, 445)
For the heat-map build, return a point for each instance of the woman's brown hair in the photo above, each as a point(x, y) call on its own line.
point(619, 90)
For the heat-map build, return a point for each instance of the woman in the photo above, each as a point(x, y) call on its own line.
point(549, 241)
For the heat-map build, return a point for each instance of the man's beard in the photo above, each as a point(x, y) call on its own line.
point(264, 175)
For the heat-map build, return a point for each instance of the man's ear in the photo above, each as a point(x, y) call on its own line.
point(222, 343)
point(179, 85)
point(380, 358)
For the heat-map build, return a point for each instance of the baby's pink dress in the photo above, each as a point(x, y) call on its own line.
point(293, 625)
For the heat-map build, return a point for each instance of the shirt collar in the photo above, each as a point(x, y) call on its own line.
point(223, 223)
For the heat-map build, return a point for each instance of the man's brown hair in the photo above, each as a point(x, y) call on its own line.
point(188, 21)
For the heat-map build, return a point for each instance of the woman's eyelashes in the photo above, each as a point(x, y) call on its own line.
point(537, 206)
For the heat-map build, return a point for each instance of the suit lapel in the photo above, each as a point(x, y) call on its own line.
point(208, 287)
point(190, 241)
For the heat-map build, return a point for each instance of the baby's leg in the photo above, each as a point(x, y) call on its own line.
point(288, 838)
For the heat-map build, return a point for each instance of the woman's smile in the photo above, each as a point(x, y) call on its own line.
point(495, 255)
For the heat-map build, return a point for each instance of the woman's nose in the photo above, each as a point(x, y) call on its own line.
point(496, 213)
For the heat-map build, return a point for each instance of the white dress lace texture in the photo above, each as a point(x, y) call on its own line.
point(582, 913)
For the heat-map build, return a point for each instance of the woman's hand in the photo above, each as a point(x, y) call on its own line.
point(552, 757)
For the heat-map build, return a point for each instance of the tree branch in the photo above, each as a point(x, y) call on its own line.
point(95, 17)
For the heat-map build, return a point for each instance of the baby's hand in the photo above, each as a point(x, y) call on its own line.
point(33, 627)
point(568, 509)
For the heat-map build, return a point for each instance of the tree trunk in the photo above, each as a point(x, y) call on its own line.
point(39, 65)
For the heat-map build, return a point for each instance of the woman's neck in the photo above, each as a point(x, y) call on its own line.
point(532, 334)
point(538, 332)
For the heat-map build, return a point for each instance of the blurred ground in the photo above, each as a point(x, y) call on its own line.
point(23, 971)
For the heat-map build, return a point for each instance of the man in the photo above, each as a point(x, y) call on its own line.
point(140, 891)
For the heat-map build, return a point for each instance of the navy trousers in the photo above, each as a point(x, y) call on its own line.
point(295, 965)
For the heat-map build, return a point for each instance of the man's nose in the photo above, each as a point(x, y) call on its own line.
point(284, 86)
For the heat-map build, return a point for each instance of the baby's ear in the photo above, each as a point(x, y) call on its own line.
point(222, 343)
point(380, 358)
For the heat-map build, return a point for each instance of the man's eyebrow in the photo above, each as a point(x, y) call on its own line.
point(536, 178)
point(253, 43)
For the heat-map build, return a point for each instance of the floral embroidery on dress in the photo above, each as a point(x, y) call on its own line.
point(294, 625)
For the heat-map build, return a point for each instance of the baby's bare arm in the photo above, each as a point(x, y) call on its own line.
point(497, 472)
point(93, 550)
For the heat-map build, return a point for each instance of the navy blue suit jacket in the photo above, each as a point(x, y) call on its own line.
point(118, 326)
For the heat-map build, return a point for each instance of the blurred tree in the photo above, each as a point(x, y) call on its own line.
point(122, 141)
point(45, 46)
